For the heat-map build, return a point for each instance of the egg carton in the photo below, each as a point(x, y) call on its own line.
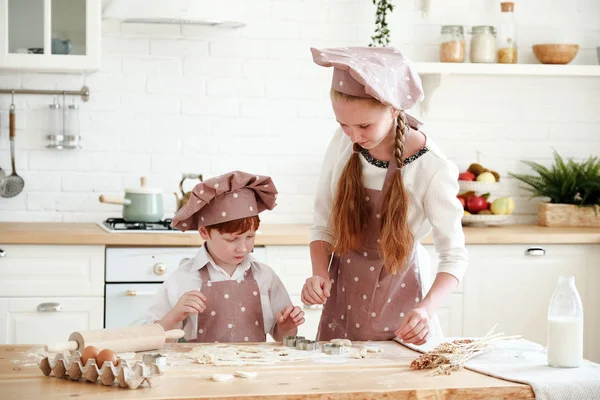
point(125, 374)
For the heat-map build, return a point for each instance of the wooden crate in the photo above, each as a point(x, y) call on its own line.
point(568, 215)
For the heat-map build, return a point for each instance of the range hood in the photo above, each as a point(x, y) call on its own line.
point(224, 13)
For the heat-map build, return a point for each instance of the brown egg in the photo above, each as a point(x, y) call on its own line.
point(89, 352)
point(106, 355)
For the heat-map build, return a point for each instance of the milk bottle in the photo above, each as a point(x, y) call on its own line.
point(565, 325)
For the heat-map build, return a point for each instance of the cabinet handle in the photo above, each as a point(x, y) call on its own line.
point(134, 293)
point(2, 253)
point(535, 251)
point(49, 307)
point(313, 307)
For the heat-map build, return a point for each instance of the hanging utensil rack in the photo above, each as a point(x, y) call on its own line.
point(84, 92)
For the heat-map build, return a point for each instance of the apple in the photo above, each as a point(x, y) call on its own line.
point(486, 177)
point(503, 206)
point(463, 201)
point(476, 204)
point(466, 176)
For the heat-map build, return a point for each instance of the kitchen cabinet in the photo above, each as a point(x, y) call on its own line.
point(511, 285)
point(292, 265)
point(46, 270)
point(47, 292)
point(50, 35)
point(47, 320)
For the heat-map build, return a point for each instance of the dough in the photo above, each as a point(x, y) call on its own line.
point(249, 350)
point(362, 353)
point(342, 342)
point(246, 375)
point(206, 358)
point(221, 377)
point(372, 349)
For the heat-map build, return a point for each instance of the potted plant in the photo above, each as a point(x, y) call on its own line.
point(572, 189)
point(382, 33)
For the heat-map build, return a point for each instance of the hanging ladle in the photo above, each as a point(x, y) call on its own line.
point(13, 184)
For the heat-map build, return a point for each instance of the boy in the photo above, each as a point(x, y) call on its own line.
point(224, 294)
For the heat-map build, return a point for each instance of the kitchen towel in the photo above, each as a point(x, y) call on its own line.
point(525, 362)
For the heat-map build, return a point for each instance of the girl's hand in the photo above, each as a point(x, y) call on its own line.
point(415, 327)
point(316, 290)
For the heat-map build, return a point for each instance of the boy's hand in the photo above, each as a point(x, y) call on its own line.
point(192, 302)
point(289, 318)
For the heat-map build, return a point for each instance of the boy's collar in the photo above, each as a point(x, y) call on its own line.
point(203, 258)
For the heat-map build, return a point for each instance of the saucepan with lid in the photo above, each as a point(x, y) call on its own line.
point(140, 204)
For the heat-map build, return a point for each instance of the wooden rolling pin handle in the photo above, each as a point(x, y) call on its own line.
point(174, 334)
point(60, 347)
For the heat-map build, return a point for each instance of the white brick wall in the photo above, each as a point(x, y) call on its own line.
point(172, 99)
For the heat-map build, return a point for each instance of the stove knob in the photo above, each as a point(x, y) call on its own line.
point(160, 269)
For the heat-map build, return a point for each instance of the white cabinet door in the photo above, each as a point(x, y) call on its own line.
point(50, 35)
point(292, 265)
point(511, 285)
point(41, 270)
point(47, 320)
point(450, 315)
point(312, 316)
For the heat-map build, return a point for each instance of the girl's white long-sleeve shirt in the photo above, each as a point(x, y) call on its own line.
point(431, 182)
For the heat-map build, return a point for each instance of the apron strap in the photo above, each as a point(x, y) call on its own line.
point(204, 274)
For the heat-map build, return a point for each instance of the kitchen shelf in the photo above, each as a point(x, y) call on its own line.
point(435, 68)
point(432, 73)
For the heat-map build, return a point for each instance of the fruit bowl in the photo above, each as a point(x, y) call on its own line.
point(555, 53)
point(477, 186)
point(484, 219)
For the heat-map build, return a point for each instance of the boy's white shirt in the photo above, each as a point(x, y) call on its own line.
point(273, 295)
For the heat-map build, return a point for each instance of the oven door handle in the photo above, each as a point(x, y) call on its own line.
point(134, 293)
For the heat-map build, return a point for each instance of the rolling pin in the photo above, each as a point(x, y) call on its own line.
point(130, 338)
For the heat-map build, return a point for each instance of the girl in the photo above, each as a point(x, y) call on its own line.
point(384, 186)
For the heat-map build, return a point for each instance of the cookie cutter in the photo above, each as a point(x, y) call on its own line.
point(157, 359)
point(333, 349)
point(290, 341)
point(305, 344)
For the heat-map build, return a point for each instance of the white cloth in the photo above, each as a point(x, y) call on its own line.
point(273, 295)
point(525, 362)
point(432, 185)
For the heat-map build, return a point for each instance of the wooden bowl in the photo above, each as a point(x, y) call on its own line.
point(555, 53)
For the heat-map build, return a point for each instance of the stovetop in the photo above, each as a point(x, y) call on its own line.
point(119, 225)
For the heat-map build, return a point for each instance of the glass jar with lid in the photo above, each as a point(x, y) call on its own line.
point(507, 35)
point(483, 44)
point(452, 44)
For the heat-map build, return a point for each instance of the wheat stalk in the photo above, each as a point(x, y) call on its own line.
point(452, 356)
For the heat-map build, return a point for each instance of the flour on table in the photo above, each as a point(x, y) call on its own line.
point(232, 355)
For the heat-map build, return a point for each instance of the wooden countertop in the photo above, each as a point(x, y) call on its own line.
point(270, 234)
point(303, 380)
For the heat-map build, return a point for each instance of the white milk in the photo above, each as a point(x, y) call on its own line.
point(565, 341)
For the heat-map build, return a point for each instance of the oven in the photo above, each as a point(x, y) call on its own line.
point(134, 275)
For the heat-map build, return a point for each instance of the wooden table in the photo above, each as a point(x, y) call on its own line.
point(386, 377)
